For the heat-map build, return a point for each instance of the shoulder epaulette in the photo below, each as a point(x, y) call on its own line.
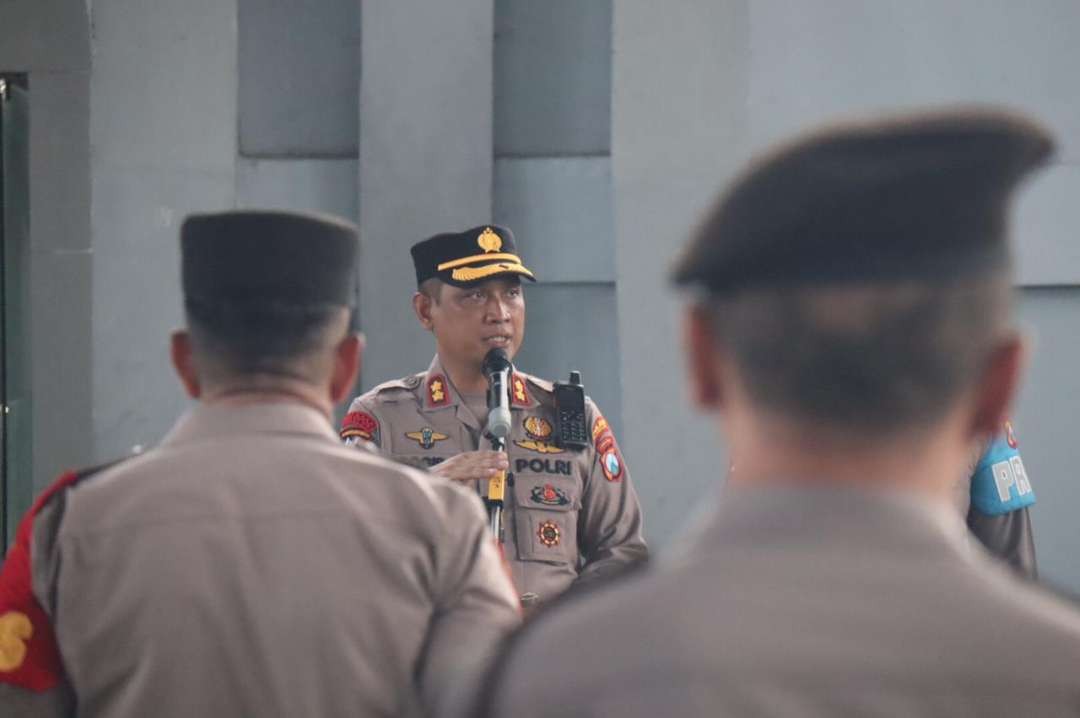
point(408, 383)
point(539, 383)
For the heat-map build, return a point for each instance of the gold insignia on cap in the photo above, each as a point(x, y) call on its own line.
point(489, 241)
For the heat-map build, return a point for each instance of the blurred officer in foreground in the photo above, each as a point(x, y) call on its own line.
point(853, 332)
point(251, 565)
point(572, 515)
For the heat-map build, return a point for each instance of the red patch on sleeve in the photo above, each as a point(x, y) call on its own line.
point(607, 450)
point(361, 424)
point(29, 656)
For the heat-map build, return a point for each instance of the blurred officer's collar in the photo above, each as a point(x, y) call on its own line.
point(463, 258)
point(922, 197)
point(255, 256)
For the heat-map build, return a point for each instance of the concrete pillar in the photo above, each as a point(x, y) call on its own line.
point(425, 156)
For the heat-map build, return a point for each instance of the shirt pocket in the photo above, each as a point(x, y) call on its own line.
point(545, 520)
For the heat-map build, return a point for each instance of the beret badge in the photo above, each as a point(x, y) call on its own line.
point(489, 241)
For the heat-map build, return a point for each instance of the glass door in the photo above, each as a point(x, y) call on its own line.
point(16, 482)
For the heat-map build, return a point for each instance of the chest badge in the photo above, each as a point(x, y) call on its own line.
point(549, 534)
point(540, 447)
point(538, 428)
point(549, 495)
point(426, 437)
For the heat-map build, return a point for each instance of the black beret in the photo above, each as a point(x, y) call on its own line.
point(903, 198)
point(266, 255)
point(463, 258)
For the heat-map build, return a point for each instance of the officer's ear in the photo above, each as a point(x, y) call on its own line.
point(348, 357)
point(703, 355)
point(998, 384)
point(183, 361)
point(422, 303)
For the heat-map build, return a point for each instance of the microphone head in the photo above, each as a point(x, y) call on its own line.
point(495, 361)
point(499, 422)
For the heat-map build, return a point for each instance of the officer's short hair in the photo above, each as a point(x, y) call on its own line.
point(868, 358)
point(235, 338)
point(432, 289)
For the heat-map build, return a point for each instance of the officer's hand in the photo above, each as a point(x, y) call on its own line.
point(472, 465)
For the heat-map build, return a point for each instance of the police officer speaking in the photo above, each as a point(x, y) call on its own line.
point(572, 514)
point(250, 565)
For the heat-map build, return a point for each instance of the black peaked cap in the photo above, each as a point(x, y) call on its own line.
point(920, 197)
point(254, 256)
point(465, 258)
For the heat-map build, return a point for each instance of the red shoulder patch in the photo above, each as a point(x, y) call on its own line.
point(29, 656)
point(360, 424)
point(607, 450)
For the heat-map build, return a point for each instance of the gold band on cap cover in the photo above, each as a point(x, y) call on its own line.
point(478, 258)
point(469, 274)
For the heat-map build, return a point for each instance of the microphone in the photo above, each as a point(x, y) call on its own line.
point(496, 369)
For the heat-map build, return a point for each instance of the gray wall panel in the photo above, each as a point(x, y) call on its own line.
point(425, 157)
point(561, 212)
point(1046, 428)
point(774, 67)
point(44, 35)
point(60, 347)
point(1046, 225)
point(675, 124)
point(163, 126)
point(552, 77)
point(299, 77)
point(571, 327)
point(314, 185)
point(814, 59)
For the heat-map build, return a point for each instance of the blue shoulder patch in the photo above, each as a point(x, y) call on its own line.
point(1000, 482)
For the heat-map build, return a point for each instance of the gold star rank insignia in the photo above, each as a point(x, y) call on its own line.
point(437, 391)
point(519, 391)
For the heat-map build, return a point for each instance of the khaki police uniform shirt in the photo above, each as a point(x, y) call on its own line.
point(809, 603)
point(570, 515)
point(253, 566)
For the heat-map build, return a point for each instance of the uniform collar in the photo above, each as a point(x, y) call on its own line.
point(803, 515)
point(213, 421)
point(439, 392)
